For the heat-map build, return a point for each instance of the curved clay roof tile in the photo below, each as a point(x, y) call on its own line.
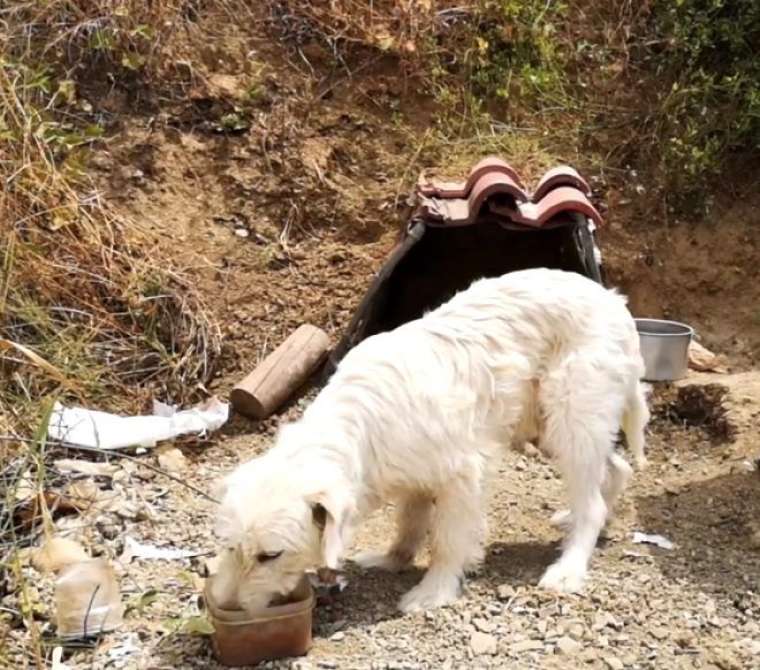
point(557, 201)
point(562, 175)
point(448, 189)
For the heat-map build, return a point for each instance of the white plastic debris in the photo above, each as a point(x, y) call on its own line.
point(658, 540)
point(129, 646)
point(57, 660)
point(71, 465)
point(135, 549)
point(91, 428)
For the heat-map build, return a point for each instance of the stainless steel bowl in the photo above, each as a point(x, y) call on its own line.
point(664, 348)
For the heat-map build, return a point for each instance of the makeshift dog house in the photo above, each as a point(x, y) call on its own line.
point(486, 226)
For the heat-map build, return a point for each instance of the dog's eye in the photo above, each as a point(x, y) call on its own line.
point(266, 556)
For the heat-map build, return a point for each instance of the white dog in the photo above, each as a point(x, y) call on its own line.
point(414, 416)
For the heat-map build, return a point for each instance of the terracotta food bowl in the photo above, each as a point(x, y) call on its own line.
point(279, 631)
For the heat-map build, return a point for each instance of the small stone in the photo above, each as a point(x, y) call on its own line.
point(589, 655)
point(108, 529)
point(484, 625)
point(576, 631)
point(242, 232)
point(660, 633)
point(483, 644)
point(568, 646)
point(724, 659)
point(604, 619)
point(530, 451)
point(749, 646)
point(525, 645)
point(505, 592)
point(613, 663)
point(338, 637)
point(172, 460)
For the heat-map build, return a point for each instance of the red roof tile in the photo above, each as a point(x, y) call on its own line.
point(495, 185)
point(447, 189)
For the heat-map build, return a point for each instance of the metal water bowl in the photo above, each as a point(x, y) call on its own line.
point(664, 348)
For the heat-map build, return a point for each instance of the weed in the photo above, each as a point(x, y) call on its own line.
point(711, 109)
point(84, 311)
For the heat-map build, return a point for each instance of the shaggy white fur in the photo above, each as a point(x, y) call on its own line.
point(414, 416)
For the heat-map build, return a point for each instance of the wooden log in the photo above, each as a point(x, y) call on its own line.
point(281, 373)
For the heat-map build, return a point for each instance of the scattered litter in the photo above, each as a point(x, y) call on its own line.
point(135, 549)
point(26, 487)
point(172, 460)
point(87, 600)
point(57, 660)
point(658, 540)
point(91, 428)
point(703, 359)
point(57, 553)
point(637, 554)
point(129, 647)
point(71, 465)
point(83, 494)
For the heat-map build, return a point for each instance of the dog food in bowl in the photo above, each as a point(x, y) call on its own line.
point(279, 631)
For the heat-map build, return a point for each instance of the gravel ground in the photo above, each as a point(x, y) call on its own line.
point(695, 606)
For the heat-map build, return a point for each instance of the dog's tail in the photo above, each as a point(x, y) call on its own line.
point(635, 419)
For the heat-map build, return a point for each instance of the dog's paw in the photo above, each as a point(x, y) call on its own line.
point(563, 577)
point(423, 597)
point(390, 561)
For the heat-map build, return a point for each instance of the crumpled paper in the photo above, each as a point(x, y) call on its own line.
point(101, 430)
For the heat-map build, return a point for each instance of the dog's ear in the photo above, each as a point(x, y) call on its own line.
point(330, 511)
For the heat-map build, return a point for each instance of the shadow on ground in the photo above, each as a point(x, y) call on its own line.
point(712, 523)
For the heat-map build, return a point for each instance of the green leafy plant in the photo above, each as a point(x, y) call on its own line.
point(708, 53)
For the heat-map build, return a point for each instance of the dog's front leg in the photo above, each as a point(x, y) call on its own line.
point(455, 540)
point(413, 515)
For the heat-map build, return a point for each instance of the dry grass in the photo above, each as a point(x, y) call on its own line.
point(88, 309)
point(405, 28)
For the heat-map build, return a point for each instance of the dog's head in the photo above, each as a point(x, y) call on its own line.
point(279, 516)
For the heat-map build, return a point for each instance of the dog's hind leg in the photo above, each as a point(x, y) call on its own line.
point(581, 424)
point(588, 512)
point(413, 516)
point(456, 529)
point(635, 419)
point(616, 478)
